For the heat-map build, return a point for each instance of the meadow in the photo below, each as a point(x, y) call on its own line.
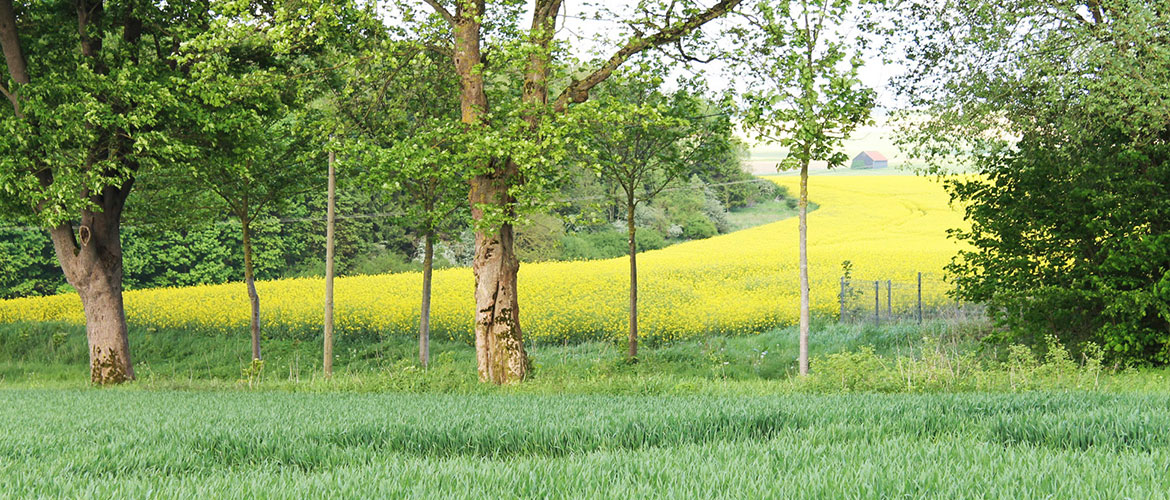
point(887, 226)
point(279, 445)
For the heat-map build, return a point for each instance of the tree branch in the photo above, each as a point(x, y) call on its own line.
point(442, 11)
point(10, 42)
point(12, 98)
point(578, 90)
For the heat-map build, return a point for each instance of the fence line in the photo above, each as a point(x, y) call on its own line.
point(924, 297)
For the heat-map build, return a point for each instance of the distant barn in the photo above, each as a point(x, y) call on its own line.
point(870, 159)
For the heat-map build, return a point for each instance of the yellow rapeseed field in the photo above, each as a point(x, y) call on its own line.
point(888, 226)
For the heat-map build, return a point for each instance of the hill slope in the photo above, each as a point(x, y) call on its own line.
point(889, 227)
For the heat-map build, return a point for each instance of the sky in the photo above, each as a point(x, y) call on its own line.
point(600, 37)
point(577, 26)
point(594, 29)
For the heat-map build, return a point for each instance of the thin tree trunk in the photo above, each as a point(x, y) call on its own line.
point(804, 301)
point(633, 354)
point(424, 323)
point(91, 259)
point(250, 279)
point(331, 214)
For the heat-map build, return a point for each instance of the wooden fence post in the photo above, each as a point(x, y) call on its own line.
point(330, 216)
point(920, 297)
point(877, 299)
point(890, 299)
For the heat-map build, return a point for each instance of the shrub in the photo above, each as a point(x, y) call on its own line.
point(699, 227)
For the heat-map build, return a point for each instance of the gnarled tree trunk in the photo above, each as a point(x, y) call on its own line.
point(499, 343)
point(91, 258)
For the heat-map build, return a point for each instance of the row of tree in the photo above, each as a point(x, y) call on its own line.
point(205, 107)
point(476, 106)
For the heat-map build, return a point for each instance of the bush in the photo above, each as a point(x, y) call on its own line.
point(861, 370)
point(699, 227)
point(1099, 273)
point(649, 239)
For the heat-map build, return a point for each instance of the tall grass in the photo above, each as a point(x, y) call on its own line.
point(280, 445)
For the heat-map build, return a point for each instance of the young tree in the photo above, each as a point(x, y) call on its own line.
point(253, 167)
point(805, 95)
point(260, 80)
point(400, 114)
point(642, 140)
point(95, 99)
point(506, 172)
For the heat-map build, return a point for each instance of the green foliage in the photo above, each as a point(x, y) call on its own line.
point(697, 227)
point(402, 139)
point(801, 62)
point(28, 266)
point(607, 244)
point(1067, 228)
point(104, 103)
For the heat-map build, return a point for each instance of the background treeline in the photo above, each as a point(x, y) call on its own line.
point(290, 242)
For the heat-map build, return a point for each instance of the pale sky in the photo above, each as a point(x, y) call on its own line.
point(578, 27)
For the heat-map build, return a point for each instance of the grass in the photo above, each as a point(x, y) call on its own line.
point(56, 352)
point(719, 417)
point(897, 357)
point(280, 445)
point(760, 214)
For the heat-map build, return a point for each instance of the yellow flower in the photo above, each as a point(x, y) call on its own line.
point(889, 227)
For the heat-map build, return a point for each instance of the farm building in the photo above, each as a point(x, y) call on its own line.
point(870, 159)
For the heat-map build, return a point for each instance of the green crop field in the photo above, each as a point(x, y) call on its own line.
point(143, 444)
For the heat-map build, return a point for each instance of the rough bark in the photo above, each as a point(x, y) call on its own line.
point(633, 354)
point(804, 301)
point(424, 323)
point(330, 216)
point(250, 280)
point(91, 259)
point(499, 345)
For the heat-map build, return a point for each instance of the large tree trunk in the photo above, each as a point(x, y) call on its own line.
point(633, 354)
point(804, 302)
point(424, 322)
point(499, 344)
point(498, 340)
point(250, 280)
point(91, 259)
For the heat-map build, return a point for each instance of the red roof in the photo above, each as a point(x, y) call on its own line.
point(875, 156)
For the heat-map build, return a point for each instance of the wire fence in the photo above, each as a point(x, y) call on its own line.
point(922, 298)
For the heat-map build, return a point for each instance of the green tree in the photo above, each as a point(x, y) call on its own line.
point(636, 136)
point(514, 146)
point(1062, 109)
point(802, 64)
point(258, 164)
point(400, 116)
point(95, 93)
